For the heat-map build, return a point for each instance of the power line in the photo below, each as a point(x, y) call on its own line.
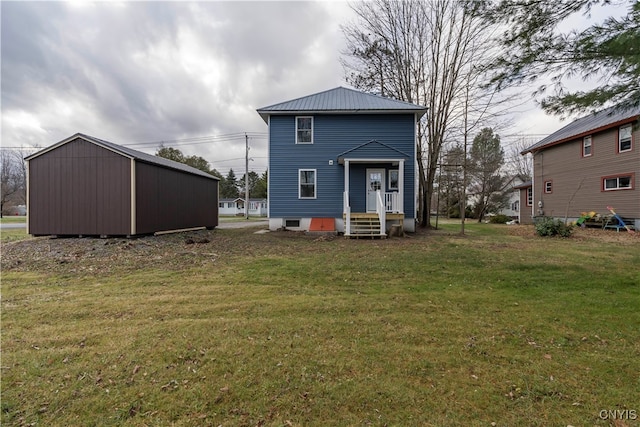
point(203, 139)
point(239, 136)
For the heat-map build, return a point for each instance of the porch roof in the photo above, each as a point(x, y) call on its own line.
point(373, 150)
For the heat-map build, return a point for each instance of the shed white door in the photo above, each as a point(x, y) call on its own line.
point(375, 181)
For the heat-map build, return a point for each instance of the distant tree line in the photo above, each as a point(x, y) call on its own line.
point(230, 187)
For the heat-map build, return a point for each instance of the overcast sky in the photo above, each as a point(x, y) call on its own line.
point(143, 72)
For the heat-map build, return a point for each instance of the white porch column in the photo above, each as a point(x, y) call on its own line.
point(346, 175)
point(346, 209)
point(401, 186)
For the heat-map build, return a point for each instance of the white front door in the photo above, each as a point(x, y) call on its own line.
point(375, 181)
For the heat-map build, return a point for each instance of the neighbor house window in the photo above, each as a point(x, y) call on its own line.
point(548, 187)
point(624, 138)
point(515, 206)
point(586, 146)
point(620, 182)
point(304, 130)
point(530, 196)
point(307, 184)
point(221, 205)
point(393, 179)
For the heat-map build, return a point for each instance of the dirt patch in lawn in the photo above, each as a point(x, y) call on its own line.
point(96, 255)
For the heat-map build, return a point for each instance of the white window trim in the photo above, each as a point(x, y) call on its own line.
point(617, 187)
point(304, 117)
point(620, 150)
point(315, 184)
point(585, 145)
point(397, 179)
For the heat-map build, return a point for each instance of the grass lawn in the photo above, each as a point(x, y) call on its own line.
point(285, 329)
point(13, 234)
point(13, 219)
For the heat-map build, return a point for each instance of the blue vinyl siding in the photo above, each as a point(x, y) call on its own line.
point(333, 135)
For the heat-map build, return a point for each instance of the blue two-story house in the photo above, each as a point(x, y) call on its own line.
point(342, 160)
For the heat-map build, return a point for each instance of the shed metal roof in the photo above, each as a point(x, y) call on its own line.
point(340, 100)
point(587, 125)
point(127, 152)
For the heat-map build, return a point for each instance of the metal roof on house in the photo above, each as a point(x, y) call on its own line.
point(128, 152)
point(586, 125)
point(341, 100)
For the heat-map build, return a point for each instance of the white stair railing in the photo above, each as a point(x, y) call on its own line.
point(381, 211)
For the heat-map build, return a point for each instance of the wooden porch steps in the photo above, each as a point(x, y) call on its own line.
point(365, 225)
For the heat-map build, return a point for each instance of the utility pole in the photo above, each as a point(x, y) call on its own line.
point(246, 177)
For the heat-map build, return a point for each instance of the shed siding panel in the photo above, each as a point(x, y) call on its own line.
point(168, 199)
point(580, 178)
point(333, 135)
point(64, 191)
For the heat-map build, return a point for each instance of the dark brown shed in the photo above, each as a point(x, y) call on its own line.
point(87, 186)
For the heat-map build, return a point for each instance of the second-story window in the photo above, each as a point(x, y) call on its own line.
point(304, 130)
point(586, 146)
point(548, 187)
point(624, 138)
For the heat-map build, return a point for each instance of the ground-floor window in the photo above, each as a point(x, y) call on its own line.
point(307, 184)
point(619, 182)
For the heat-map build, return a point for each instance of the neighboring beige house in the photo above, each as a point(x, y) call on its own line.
point(591, 163)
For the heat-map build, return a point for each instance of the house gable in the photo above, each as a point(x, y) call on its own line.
point(78, 187)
